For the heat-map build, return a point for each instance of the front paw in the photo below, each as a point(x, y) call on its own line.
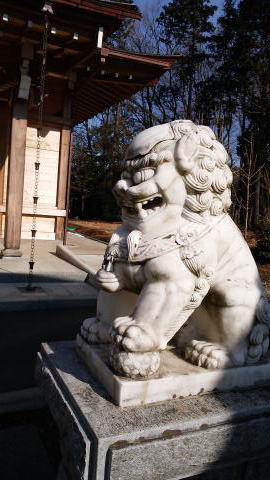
point(108, 281)
point(133, 337)
point(94, 331)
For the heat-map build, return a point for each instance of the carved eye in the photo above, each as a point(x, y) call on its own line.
point(143, 175)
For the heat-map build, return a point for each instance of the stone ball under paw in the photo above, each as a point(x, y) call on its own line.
point(133, 365)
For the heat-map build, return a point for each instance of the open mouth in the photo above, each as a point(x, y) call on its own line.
point(145, 208)
point(152, 204)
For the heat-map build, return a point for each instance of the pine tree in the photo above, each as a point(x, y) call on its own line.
point(235, 97)
point(216, 94)
point(187, 27)
point(251, 56)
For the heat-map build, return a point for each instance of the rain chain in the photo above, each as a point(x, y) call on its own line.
point(38, 150)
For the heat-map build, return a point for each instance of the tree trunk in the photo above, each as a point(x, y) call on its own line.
point(82, 206)
point(257, 199)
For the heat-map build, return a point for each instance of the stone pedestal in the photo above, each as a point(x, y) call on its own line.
point(218, 436)
point(175, 378)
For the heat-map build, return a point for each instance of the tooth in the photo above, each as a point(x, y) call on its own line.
point(143, 213)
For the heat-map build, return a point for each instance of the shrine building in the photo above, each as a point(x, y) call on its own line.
point(83, 76)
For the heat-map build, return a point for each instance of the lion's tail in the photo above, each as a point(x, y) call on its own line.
point(259, 336)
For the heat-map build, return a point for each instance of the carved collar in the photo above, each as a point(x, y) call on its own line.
point(142, 250)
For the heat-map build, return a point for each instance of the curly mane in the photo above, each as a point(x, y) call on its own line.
point(203, 164)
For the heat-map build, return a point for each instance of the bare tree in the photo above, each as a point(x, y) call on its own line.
point(249, 177)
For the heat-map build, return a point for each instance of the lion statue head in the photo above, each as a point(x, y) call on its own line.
point(174, 170)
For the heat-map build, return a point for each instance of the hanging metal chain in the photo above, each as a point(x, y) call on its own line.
point(38, 150)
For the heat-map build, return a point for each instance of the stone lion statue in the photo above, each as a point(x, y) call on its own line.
point(178, 269)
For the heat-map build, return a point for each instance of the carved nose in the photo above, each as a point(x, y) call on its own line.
point(145, 189)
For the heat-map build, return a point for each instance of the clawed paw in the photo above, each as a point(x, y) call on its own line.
point(207, 355)
point(132, 337)
point(93, 331)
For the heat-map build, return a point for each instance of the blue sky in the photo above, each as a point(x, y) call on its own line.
point(143, 3)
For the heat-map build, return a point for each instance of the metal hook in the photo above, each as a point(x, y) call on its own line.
point(47, 7)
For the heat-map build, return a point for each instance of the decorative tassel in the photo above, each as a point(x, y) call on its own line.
point(133, 241)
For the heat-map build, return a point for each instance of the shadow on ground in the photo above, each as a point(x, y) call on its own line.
point(29, 446)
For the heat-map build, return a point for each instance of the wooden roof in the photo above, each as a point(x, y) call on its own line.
point(94, 77)
point(116, 75)
point(118, 10)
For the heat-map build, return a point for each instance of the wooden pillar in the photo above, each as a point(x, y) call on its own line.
point(15, 180)
point(5, 112)
point(61, 201)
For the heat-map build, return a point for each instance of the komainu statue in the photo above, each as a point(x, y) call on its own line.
point(194, 281)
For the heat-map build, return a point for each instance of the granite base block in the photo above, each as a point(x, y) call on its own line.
point(205, 435)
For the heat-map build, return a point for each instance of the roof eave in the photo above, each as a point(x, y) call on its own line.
point(113, 9)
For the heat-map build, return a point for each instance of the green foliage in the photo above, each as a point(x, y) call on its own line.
point(216, 92)
point(251, 55)
point(187, 22)
point(186, 26)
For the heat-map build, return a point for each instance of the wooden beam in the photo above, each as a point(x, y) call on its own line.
point(41, 211)
point(14, 35)
point(116, 10)
point(57, 75)
point(49, 120)
point(125, 83)
point(84, 58)
point(15, 183)
point(20, 14)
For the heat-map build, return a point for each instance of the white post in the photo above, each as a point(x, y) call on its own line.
point(100, 37)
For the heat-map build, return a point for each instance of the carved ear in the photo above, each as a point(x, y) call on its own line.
point(186, 150)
